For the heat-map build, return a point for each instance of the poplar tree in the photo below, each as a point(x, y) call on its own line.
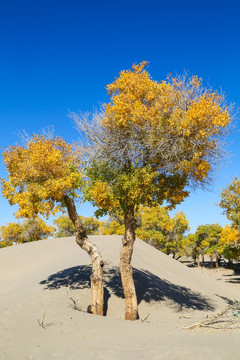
point(44, 177)
point(150, 143)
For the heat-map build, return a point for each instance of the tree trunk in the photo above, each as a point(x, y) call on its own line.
point(217, 260)
point(82, 240)
point(194, 257)
point(198, 261)
point(211, 261)
point(131, 305)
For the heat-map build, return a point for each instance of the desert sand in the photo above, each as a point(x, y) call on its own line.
point(43, 282)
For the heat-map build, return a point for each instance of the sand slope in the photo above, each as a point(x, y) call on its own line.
point(41, 281)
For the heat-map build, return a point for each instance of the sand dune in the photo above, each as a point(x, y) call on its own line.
point(42, 281)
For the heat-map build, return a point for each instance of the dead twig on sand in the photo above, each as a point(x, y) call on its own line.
point(142, 320)
point(227, 318)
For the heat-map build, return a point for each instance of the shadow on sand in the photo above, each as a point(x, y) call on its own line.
point(149, 287)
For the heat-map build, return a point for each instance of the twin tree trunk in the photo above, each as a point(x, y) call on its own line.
point(97, 297)
point(131, 305)
point(97, 263)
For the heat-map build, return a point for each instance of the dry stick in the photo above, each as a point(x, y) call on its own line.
point(203, 324)
point(215, 319)
point(142, 320)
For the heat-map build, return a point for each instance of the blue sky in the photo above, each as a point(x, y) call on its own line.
point(57, 56)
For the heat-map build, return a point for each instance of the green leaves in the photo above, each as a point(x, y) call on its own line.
point(230, 202)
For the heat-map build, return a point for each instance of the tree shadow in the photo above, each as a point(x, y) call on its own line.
point(233, 279)
point(149, 287)
point(229, 301)
point(77, 277)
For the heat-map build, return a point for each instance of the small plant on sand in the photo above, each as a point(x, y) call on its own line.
point(42, 322)
point(74, 303)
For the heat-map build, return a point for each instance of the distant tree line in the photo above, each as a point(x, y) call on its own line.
point(213, 241)
point(153, 225)
point(29, 230)
point(34, 229)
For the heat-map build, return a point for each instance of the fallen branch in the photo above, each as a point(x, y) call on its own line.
point(142, 320)
point(223, 319)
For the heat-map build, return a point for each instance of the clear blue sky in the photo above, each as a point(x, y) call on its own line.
point(60, 55)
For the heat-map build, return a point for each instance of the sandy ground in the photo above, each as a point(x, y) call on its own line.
point(41, 281)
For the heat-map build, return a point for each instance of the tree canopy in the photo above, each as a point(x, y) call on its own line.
point(30, 230)
point(66, 227)
point(40, 174)
point(153, 139)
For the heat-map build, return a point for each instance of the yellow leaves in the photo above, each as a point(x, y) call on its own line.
point(136, 98)
point(126, 190)
point(29, 230)
point(138, 68)
point(201, 170)
point(196, 82)
point(175, 196)
point(10, 232)
point(197, 168)
point(40, 174)
point(112, 228)
point(178, 111)
point(229, 236)
point(158, 227)
point(102, 193)
point(206, 115)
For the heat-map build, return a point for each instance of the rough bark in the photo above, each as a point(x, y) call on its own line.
point(194, 257)
point(131, 305)
point(198, 261)
point(217, 260)
point(211, 261)
point(82, 240)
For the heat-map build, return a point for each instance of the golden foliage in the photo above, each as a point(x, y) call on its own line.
point(127, 189)
point(11, 233)
point(178, 107)
point(39, 175)
point(103, 195)
point(229, 236)
point(158, 228)
point(112, 228)
point(66, 228)
point(136, 98)
point(30, 230)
